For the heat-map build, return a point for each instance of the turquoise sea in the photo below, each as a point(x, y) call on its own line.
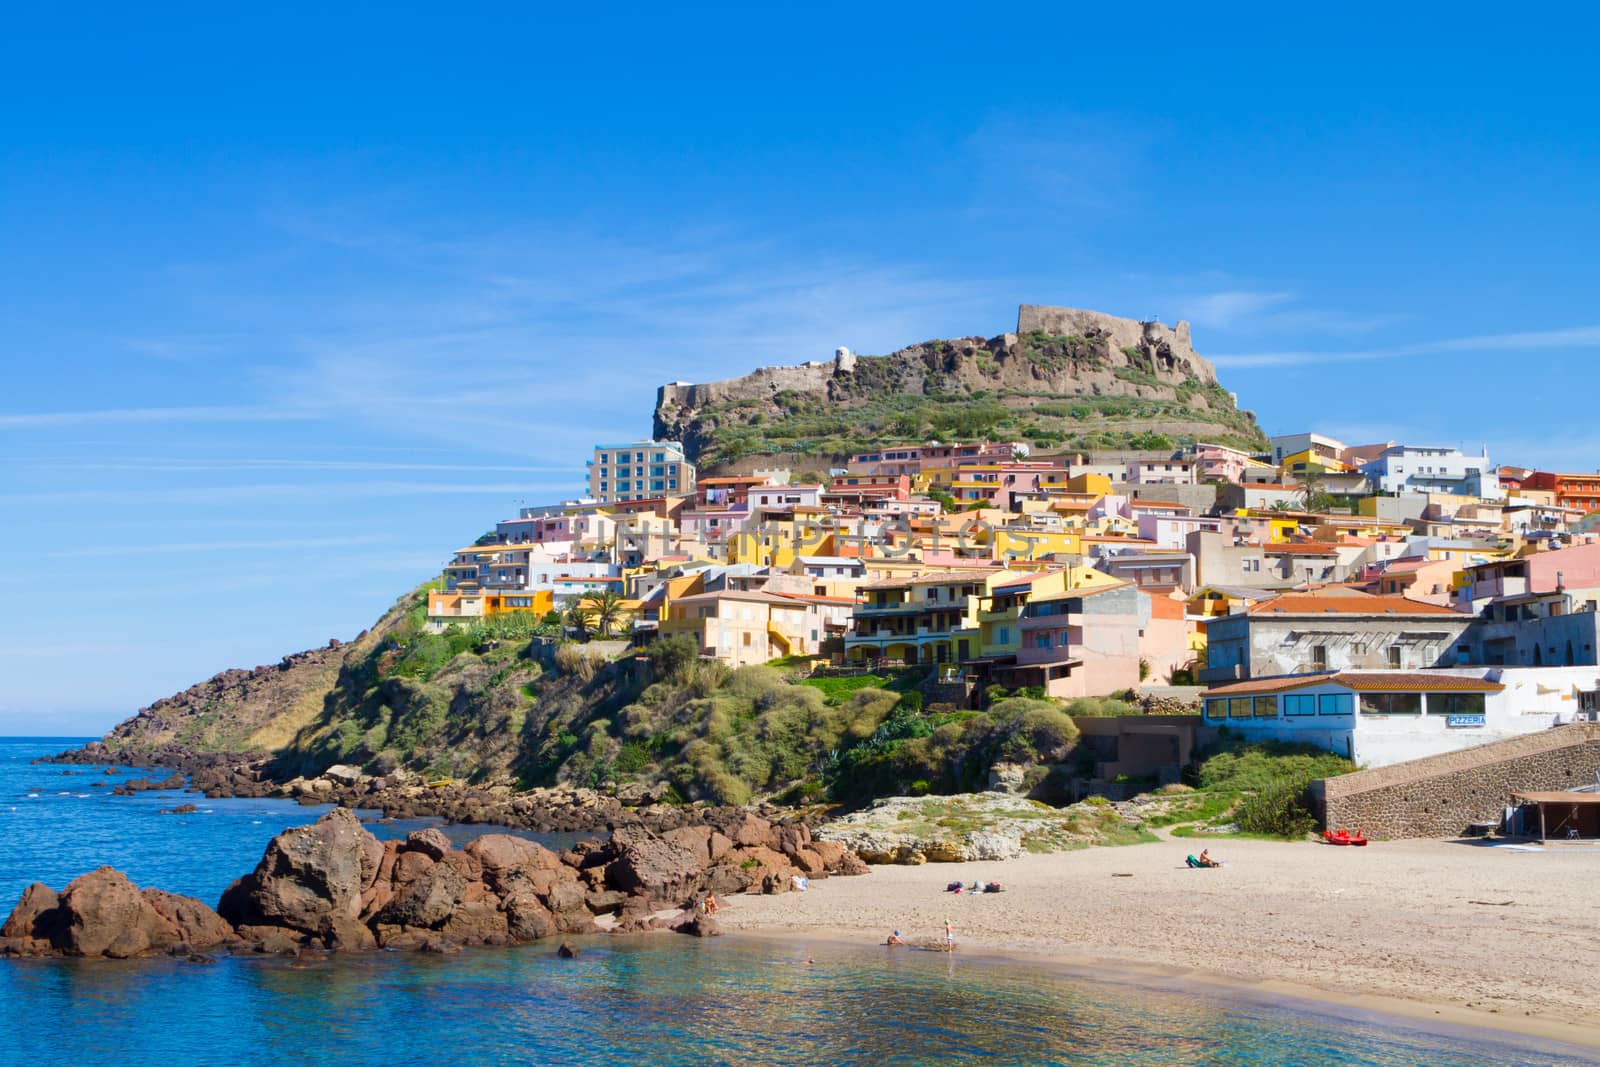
point(653, 1000)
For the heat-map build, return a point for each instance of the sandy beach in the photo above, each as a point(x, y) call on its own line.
point(1484, 935)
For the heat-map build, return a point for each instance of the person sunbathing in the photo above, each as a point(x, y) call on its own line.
point(1206, 860)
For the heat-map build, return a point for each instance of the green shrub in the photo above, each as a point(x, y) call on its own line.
point(1100, 707)
point(1281, 809)
point(1235, 765)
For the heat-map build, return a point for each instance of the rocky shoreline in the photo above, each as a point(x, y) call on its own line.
point(333, 886)
point(407, 795)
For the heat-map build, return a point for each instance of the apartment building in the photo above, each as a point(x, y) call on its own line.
point(639, 469)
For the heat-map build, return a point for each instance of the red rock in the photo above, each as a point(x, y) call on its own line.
point(475, 924)
point(465, 864)
point(829, 852)
point(751, 831)
point(528, 919)
point(431, 842)
point(35, 917)
point(308, 876)
point(102, 914)
point(197, 925)
point(428, 901)
point(410, 866)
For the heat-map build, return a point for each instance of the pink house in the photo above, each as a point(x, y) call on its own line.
point(1084, 642)
point(1220, 461)
point(1541, 572)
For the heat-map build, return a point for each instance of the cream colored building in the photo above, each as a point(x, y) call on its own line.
point(639, 470)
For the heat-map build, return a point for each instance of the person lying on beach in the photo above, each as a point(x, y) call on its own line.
point(894, 939)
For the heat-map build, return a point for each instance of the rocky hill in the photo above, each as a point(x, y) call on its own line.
point(1067, 379)
point(248, 711)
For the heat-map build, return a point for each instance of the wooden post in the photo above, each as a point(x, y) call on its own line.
point(1541, 822)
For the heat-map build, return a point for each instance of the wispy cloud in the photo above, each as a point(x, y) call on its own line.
point(1576, 337)
point(102, 416)
point(180, 466)
point(273, 545)
point(1223, 310)
point(210, 496)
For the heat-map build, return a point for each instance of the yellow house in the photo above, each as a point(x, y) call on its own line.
point(777, 543)
point(1000, 612)
point(464, 607)
point(1309, 462)
point(931, 618)
point(1279, 529)
point(1098, 484)
point(741, 627)
point(1029, 543)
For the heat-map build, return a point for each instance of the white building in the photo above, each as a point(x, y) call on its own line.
point(1403, 469)
point(1290, 444)
point(1381, 717)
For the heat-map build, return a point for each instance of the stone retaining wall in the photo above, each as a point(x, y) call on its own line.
point(1440, 796)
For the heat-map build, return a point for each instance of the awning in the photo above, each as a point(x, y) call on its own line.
point(1556, 798)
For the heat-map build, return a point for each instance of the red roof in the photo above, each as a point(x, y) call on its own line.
point(1347, 602)
point(1364, 681)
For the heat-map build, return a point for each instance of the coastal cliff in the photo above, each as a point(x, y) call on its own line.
point(1066, 379)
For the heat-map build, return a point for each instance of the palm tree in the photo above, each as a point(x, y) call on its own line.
point(605, 609)
point(1313, 491)
point(577, 618)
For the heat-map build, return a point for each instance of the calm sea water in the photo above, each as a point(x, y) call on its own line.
point(660, 1000)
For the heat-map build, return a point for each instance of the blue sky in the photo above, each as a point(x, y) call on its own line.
point(293, 303)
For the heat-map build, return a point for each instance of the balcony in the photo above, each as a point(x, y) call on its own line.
point(1001, 614)
point(902, 608)
point(1063, 620)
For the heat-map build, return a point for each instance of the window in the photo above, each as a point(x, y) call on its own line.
point(1250, 565)
point(1335, 704)
point(1003, 635)
point(1455, 703)
point(1299, 704)
point(1266, 707)
point(1216, 709)
point(1396, 657)
point(1319, 657)
point(1042, 639)
point(1239, 707)
point(1391, 703)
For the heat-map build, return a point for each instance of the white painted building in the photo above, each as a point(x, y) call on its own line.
point(1381, 717)
point(1290, 444)
point(1410, 469)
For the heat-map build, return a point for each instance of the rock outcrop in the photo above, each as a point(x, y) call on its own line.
point(333, 885)
point(1056, 354)
point(103, 915)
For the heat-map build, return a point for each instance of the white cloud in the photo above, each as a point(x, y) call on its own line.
point(1576, 337)
point(1224, 310)
point(203, 413)
point(273, 545)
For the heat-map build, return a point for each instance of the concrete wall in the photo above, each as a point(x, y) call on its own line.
point(1441, 795)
